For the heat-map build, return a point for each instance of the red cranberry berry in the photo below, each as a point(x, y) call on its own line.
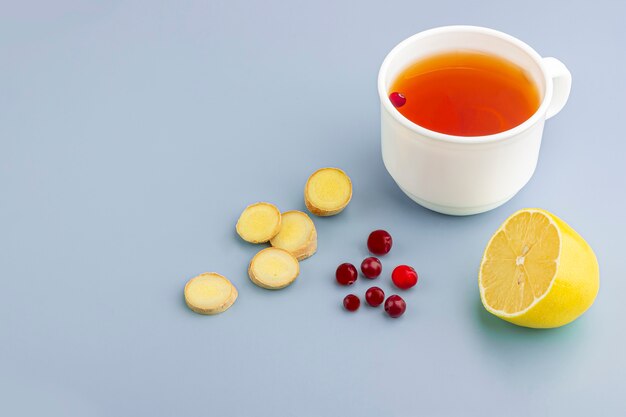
point(404, 277)
point(374, 296)
point(379, 242)
point(346, 274)
point(397, 99)
point(395, 306)
point(351, 302)
point(371, 267)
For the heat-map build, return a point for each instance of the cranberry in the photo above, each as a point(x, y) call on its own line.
point(404, 277)
point(346, 274)
point(397, 99)
point(379, 242)
point(395, 306)
point(351, 302)
point(371, 267)
point(374, 296)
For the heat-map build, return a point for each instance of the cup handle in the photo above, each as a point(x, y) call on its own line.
point(562, 82)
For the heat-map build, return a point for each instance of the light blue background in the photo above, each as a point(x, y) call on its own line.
point(133, 133)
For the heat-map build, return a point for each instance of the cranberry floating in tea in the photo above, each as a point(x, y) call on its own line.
point(397, 99)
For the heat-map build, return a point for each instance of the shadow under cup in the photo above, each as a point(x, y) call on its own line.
point(462, 175)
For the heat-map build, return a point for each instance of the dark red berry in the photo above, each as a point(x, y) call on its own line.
point(371, 267)
point(395, 306)
point(397, 99)
point(351, 302)
point(346, 274)
point(404, 277)
point(379, 242)
point(374, 296)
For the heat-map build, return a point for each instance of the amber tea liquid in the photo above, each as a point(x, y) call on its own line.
point(466, 93)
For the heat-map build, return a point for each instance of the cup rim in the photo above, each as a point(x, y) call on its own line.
point(496, 137)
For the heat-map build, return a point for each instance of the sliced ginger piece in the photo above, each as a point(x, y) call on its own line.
point(273, 268)
point(210, 293)
point(259, 223)
point(327, 192)
point(297, 235)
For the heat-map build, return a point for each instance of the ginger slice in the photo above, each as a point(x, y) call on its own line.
point(273, 268)
point(259, 223)
point(297, 235)
point(210, 293)
point(327, 192)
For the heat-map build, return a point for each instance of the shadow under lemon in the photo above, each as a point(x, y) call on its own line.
point(502, 333)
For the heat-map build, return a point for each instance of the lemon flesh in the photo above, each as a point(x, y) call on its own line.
point(537, 271)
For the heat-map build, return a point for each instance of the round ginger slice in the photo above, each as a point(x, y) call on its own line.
point(327, 192)
point(259, 222)
point(273, 268)
point(297, 235)
point(210, 293)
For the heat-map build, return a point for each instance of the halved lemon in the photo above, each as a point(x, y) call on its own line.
point(537, 271)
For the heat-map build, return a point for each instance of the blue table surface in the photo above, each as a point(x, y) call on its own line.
point(132, 134)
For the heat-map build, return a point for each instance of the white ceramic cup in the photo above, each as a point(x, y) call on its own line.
point(466, 175)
